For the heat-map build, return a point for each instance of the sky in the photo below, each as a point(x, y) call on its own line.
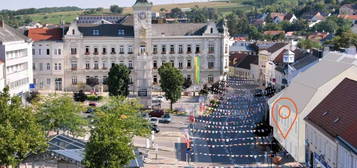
point(20, 4)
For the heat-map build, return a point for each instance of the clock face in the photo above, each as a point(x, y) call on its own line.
point(142, 15)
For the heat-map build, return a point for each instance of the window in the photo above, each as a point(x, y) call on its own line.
point(55, 51)
point(210, 78)
point(154, 79)
point(74, 80)
point(130, 49)
point(155, 64)
point(48, 66)
point(211, 47)
point(154, 49)
point(121, 32)
point(211, 30)
point(59, 66)
point(142, 49)
point(74, 65)
point(172, 63)
point(87, 50)
point(48, 51)
point(163, 49)
point(96, 66)
point(73, 51)
point(95, 51)
point(189, 49)
point(105, 78)
point(56, 67)
point(189, 64)
point(180, 49)
point(33, 51)
point(121, 49)
point(39, 51)
point(188, 77)
point(198, 49)
point(95, 32)
point(172, 49)
point(41, 66)
point(73, 31)
point(33, 66)
point(104, 66)
point(87, 65)
point(130, 65)
point(210, 65)
point(104, 51)
point(180, 65)
point(59, 51)
point(48, 81)
point(113, 51)
point(226, 48)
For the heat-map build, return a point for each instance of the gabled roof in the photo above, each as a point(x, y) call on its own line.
point(8, 34)
point(337, 113)
point(349, 17)
point(275, 47)
point(351, 6)
point(288, 16)
point(274, 32)
point(40, 34)
point(245, 63)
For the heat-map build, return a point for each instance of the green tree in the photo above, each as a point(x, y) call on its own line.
point(176, 13)
point(110, 144)
point(116, 9)
point(61, 114)
point(345, 40)
point(308, 44)
point(171, 81)
point(20, 134)
point(118, 80)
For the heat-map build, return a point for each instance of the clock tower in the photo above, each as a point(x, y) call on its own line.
point(143, 49)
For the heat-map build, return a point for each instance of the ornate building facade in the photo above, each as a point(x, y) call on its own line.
point(89, 50)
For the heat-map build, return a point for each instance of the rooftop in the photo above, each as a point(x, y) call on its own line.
point(337, 113)
point(8, 34)
point(41, 34)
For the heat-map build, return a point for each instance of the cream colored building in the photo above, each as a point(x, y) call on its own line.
point(89, 50)
point(307, 90)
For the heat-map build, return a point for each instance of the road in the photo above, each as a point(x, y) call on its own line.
point(226, 136)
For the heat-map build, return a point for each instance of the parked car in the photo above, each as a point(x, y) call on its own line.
point(258, 93)
point(161, 98)
point(157, 113)
point(165, 119)
point(154, 120)
point(156, 103)
point(92, 104)
point(154, 128)
point(90, 110)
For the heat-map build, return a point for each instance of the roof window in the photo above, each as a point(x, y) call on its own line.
point(121, 32)
point(336, 120)
point(95, 32)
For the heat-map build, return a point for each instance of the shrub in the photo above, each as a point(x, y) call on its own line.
point(94, 98)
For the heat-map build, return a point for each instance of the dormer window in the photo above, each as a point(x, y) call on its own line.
point(73, 31)
point(211, 30)
point(95, 32)
point(121, 32)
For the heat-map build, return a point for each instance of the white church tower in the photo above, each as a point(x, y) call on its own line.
point(143, 49)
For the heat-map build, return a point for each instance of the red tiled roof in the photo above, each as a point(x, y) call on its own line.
point(274, 32)
point(318, 36)
point(337, 113)
point(280, 15)
point(236, 58)
point(349, 17)
point(39, 34)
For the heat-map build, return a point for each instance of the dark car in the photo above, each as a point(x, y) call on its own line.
point(90, 110)
point(157, 113)
point(154, 128)
point(258, 93)
point(92, 104)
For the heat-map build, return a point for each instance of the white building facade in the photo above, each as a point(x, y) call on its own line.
point(15, 53)
point(89, 50)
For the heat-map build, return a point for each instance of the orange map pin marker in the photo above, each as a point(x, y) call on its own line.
point(284, 113)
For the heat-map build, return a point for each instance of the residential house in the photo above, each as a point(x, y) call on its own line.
point(352, 18)
point(279, 17)
point(331, 132)
point(317, 18)
point(241, 63)
point(289, 63)
point(307, 90)
point(16, 56)
point(348, 9)
point(274, 32)
point(246, 47)
point(2, 76)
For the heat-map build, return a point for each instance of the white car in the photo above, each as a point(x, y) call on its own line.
point(161, 98)
point(154, 120)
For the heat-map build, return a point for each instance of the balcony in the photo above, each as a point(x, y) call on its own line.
point(189, 52)
point(74, 68)
point(198, 52)
point(211, 52)
point(121, 52)
point(172, 52)
point(113, 53)
point(155, 52)
point(180, 52)
point(189, 67)
point(104, 68)
point(163, 52)
point(95, 53)
point(104, 53)
point(130, 52)
point(96, 68)
point(86, 53)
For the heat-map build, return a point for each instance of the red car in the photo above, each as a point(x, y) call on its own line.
point(157, 113)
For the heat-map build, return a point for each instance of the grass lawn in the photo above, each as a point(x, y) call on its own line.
point(69, 16)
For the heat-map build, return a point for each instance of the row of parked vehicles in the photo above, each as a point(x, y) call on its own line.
point(155, 117)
